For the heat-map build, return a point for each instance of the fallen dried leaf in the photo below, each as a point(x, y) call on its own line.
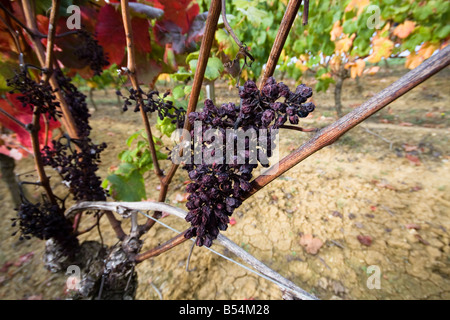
point(365, 240)
point(311, 244)
point(385, 185)
point(337, 214)
point(23, 259)
point(181, 197)
point(412, 226)
point(413, 159)
point(409, 148)
point(6, 266)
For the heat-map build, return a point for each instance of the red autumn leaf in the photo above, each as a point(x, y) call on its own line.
point(373, 208)
point(180, 12)
point(25, 115)
point(111, 34)
point(413, 159)
point(67, 46)
point(232, 221)
point(147, 70)
point(197, 28)
point(6, 266)
point(365, 240)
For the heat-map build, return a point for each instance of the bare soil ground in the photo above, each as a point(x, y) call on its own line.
point(387, 179)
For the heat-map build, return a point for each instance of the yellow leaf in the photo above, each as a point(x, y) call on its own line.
point(325, 76)
point(244, 74)
point(335, 63)
point(413, 60)
point(92, 84)
point(336, 31)
point(382, 48)
point(299, 65)
point(360, 4)
point(372, 70)
point(164, 77)
point(356, 68)
point(427, 49)
point(343, 45)
point(404, 30)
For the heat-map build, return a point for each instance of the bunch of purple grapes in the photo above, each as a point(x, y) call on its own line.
point(218, 186)
point(91, 52)
point(77, 163)
point(34, 95)
point(76, 102)
point(75, 160)
point(44, 220)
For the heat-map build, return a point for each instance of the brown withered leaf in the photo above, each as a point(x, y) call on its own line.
point(365, 240)
point(311, 244)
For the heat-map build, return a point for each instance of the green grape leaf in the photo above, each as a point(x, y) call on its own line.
point(127, 188)
point(165, 126)
point(178, 92)
point(133, 137)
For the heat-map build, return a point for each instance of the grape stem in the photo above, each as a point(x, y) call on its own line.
point(280, 39)
point(131, 67)
point(205, 49)
point(299, 128)
point(243, 49)
point(35, 125)
point(51, 40)
point(38, 48)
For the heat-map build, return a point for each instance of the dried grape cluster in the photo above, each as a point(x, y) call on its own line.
point(218, 185)
point(37, 95)
point(77, 164)
point(76, 160)
point(44, 220)
point(91, 52)
point(76, 102)
point(152, 102)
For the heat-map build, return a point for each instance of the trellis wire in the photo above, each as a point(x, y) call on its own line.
point(223, 256)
